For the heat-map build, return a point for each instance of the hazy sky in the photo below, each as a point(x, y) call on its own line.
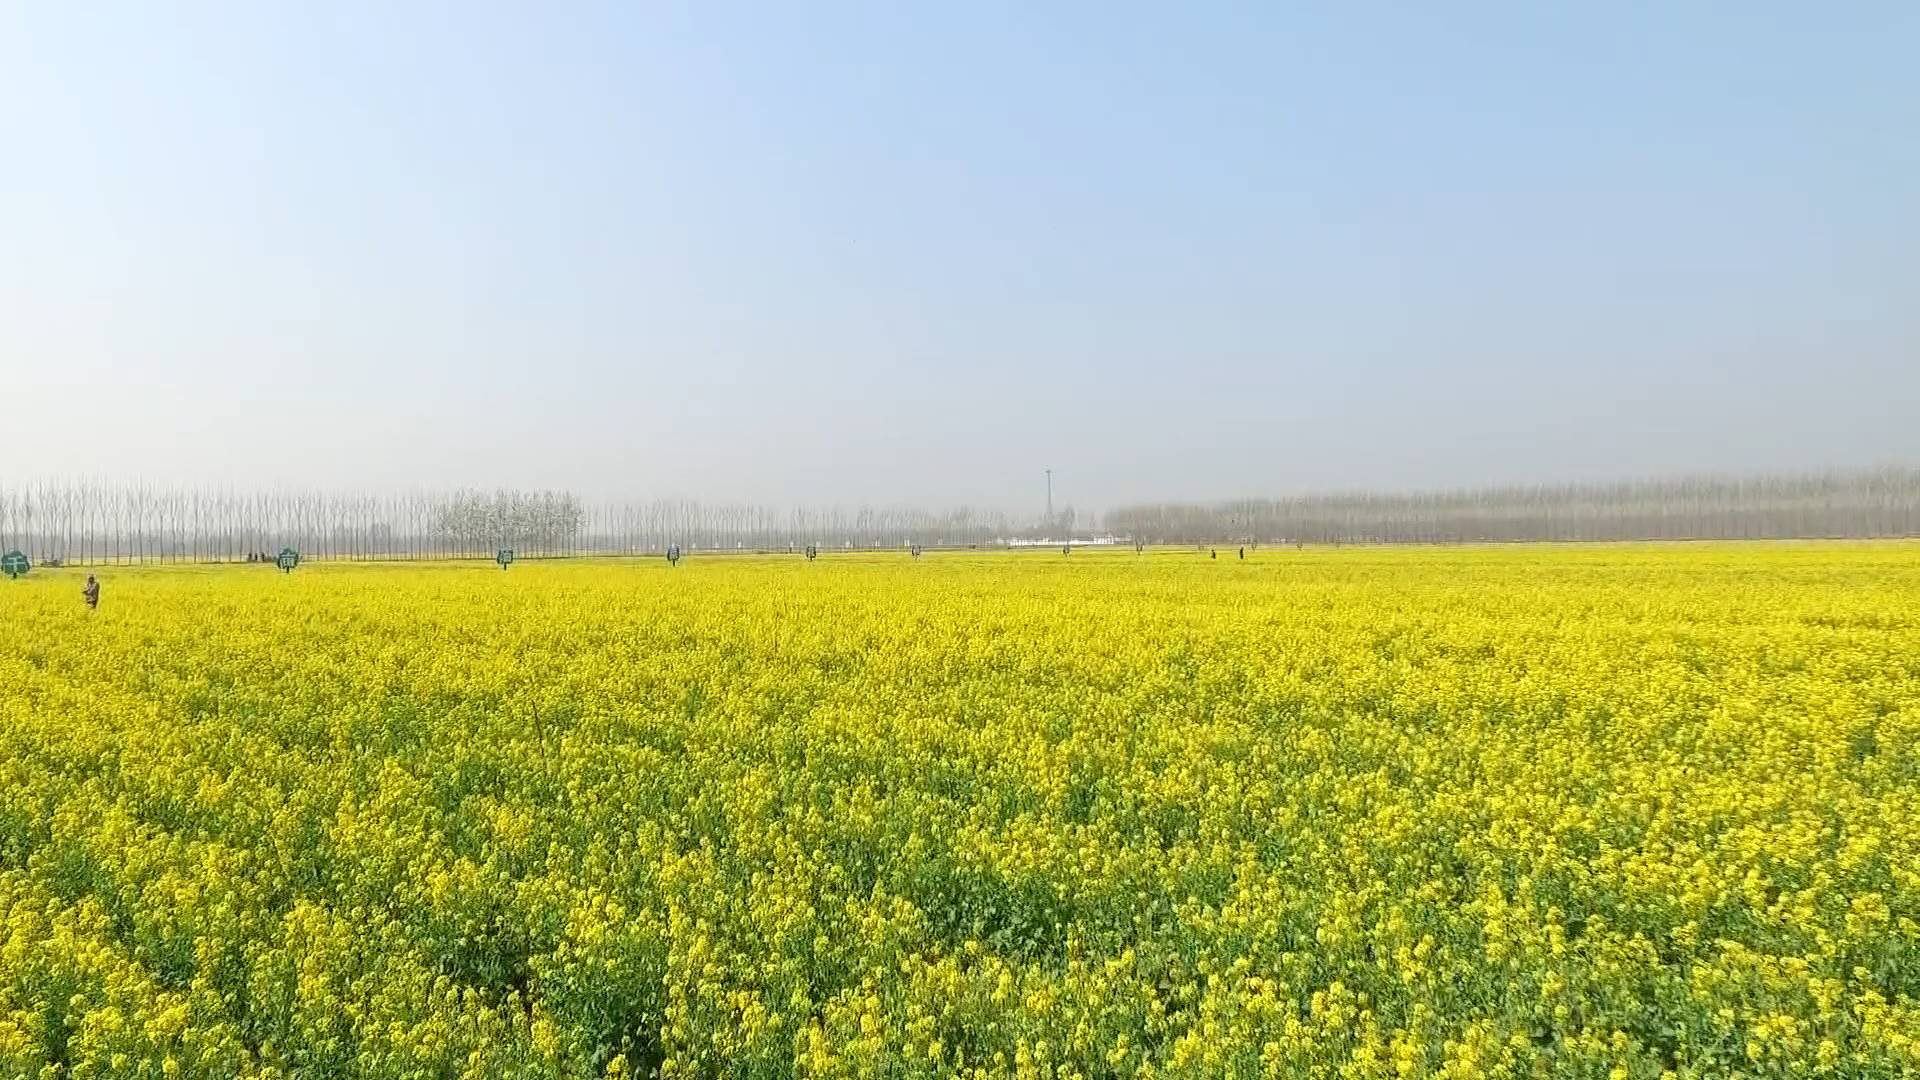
point(917, 253)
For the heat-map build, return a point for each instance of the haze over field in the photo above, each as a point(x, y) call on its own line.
point(820, 255)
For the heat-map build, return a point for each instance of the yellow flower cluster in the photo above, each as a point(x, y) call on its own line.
point(1624, 812)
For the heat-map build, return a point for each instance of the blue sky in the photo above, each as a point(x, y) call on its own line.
point(907, 253)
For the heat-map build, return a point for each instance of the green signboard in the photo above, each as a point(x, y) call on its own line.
point(13, 564)
point(287, 560)
point(504, 557)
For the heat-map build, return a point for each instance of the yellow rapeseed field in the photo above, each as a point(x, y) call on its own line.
point(1514, 812)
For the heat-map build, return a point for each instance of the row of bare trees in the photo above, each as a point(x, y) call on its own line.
point(105, 523)
point(1862, 503)
point(636, 528)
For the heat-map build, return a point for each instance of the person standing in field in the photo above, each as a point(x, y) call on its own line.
point(91, 593)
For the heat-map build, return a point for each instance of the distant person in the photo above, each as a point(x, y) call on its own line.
point(91, 593)
point(1243, 554)
point(1213, 553)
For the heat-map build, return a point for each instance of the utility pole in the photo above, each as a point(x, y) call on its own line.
point(1049, 498)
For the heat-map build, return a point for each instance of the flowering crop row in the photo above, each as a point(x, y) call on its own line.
point(1580, 812)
